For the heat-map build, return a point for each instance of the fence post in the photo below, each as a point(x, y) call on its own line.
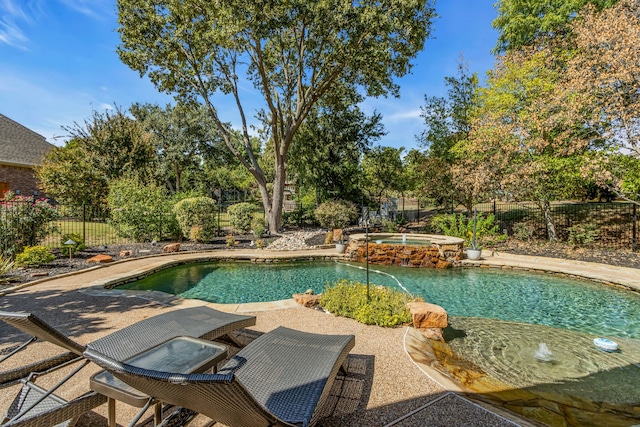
point(633, 239)
point(84, 222)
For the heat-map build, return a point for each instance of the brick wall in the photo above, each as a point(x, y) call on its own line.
point(19, 178)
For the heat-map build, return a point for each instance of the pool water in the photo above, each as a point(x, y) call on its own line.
point(514, 296)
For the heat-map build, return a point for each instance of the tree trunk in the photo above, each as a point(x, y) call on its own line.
point(545, 206)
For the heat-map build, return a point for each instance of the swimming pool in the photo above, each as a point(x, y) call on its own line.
point(515, 296)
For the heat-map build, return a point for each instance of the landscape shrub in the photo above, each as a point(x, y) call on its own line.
point(388, 307)
point(336, 214)
point(461, 226)
point(78, 246)
point(34, 256)
point(240, 216)
point(141, 212)
point(259, 227)
point(582, 234)
point(523, 231)
point(24, 222)
point(196, 217)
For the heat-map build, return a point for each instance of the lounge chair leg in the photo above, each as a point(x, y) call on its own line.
point(157, 413)
point(111, 411)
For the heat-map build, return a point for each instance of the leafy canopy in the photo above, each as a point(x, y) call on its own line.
point(293, 52)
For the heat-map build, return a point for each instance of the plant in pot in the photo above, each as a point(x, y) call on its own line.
point(475, 250)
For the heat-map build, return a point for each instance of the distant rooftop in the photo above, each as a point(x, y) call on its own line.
point(20, 146)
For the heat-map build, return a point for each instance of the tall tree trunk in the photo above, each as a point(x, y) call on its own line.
point(545, 206)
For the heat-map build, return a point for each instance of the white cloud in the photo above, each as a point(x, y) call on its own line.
point(405, 115)
point(104, 106)
point(12, 15)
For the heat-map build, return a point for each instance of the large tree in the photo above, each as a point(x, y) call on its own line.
point(293, 53)
point(333, 141)
point(525, 143)
point(526, 22)
point(106, 146)
point(603, 78)
point(182, 136)
point(447, 122)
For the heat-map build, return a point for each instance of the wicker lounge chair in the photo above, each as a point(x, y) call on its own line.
point(280, 379)
point(35, 407)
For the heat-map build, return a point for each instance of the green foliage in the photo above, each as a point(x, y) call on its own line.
point(259, 227)
point(230, 240)
point(198, 213)
point(241, 216)
point(140, 212)
point(390, 226)
point(6, 265)
point(523, 231)
point(383, 171)
point(582, 234)
point(388, 307)
point(78, 246)
point(24, 222)
point(34, 256)
point(461, 226)
point(521, 23)
point(336, 214)
point(343, 49)
point(304, 214)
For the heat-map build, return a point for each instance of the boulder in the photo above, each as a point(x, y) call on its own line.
point(172, 247)
point(443, 264)
point(434, 334)
point(307, 300)
point(427, 315)
point(100, 258)
point(124, 254)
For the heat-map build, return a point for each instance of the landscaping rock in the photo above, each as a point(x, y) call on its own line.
point(307, 300)
point(427, 315)
point(99, 259)
point(126, 253)
point(172, 247)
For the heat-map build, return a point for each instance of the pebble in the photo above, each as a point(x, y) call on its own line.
point(295, 241)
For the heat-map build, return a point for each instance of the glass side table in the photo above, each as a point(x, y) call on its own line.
point(182, 355)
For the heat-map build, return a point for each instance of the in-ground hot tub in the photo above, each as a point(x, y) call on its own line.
point(410, 250)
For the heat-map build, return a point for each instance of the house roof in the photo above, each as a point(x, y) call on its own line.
point(20, 146)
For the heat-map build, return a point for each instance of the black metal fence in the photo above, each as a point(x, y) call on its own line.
point(21, 222)
point(615, 223)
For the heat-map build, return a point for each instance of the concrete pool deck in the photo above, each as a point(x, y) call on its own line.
point(384, 386)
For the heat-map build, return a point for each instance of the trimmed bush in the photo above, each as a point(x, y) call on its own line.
point(388, 307)
point(79, 246)
point(196, 217)
point(336, 214)
point(259, 227)
point(241, 216)
point(582, 234)
point(141, 212)
point(34, 256)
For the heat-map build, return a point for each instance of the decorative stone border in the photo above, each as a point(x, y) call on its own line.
point(410, 250)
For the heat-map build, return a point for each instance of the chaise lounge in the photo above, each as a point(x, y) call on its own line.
point(282, 378)
point(36, 407)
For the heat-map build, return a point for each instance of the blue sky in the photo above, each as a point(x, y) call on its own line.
point(58, 64)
